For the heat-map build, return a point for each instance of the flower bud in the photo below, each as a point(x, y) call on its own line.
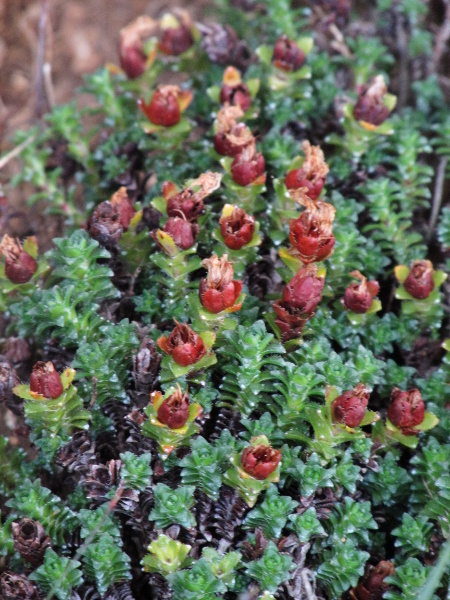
point(300, 299)
point(176, 35)
point(236, 227)
point(121, 203)
point(231, 136)
point(311, 235)
point(218, 291)
point(44, 380)
point(182, 232)
point(19, 265)
point(104, 225)
point(234, 91)
point(359, 297)
point(406, 410)
point(16, 587)
point(166, 105)
point(372, 585)
point(248, 166)
point(131, 53)
point(312, 174)
point(369, 107)
point(174, 411)
point(419, 282)
point(183, 344)
point(260, 461)
point(350, 407)
point(30, 540)
point(287, 55)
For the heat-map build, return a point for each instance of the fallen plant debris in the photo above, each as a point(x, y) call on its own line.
point(217, 372)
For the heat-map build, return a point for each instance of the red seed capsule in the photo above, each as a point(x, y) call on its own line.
point(406, 410)
point(419, 282)
point(184, 345)
point(311, 234)
point(237, 227)
point(182, 232)
point(44, 380)
point(248, 166)
point(369, 107)
point(287, 55)
point(350, 407)
point(260, 461)
point(218, 291)
point(174, 411)
point(359, 297)
point(19, 265)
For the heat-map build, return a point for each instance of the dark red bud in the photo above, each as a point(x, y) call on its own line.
point(260, 461)
point(296, 179)
point(218, 291)
point(245, 172)
point(406, 410)
point(22, 269)
point(217, 300)
point(44, 380)
point(185, 204)
point(419, 282)
point(237, 95)
point(237, 229)
point(370, 106)
point(182, 232)
point(163, 109)
point(133, 60)
point(359, 297)
point(174, 411)
point(184, 345)
point(176, 40)
point(311, 238)
point(287, 55)
point(350, 407)
point(304, 291)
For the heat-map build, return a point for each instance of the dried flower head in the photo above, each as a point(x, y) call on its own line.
point(30, 540)
point(359, 297)
point(19, 265)
point(218, 291)
point(188, 203)
point(104, 225)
